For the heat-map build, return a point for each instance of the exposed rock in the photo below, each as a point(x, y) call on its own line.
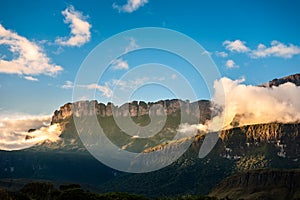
point(28, 137)
point(271, 132)
point(295, 78)
point(235, 143)
point(285, 137)
point(31, 130)
point(133, 109)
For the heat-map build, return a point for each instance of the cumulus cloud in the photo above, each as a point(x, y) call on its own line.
point(236, 104)
point(104, 89)
point(231, 64)
point(132, 45)
point(80, 28)
point(236, 45)
point(30, 78)
point(68, 85)
point(248, 104)
point(28, 57)
point(14, 133)
point(130, 6)
point(120, 64)
point(277, 49)
point(221, 54)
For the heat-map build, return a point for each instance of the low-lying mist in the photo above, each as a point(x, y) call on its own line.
point(242, 104)
point(15, 135)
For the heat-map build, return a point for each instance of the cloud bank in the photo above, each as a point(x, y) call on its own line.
point(80, 28)
point(248, 104)
point(28, 57)
point(237, 104)
point(14, 131)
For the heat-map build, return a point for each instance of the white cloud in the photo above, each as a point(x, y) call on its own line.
point(173, 76)
point(206, 53)
point(14, 129)
point(68, 85)
point(130, 6)
point(248, 104)
point(237, 45)
point(277, 49)
point(105, 89)
point(132, 45)
point(221, 54)
point(120, 64)
point(131, 84)
point(80, 28)
point(30, 78)
point(187, 130)
point(28, 57)
point(231, 64)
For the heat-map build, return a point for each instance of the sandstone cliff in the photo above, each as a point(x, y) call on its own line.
point(134, 109)
point(295, 78)
point(242, 140)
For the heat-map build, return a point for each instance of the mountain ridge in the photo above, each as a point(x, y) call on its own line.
point(294, 78)
point(239, 149)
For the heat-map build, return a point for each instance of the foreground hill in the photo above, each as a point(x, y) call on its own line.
point(260, 184)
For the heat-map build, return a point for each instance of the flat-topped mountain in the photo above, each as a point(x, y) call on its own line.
point(133, 109)
point(238, 149)
point(295, 78)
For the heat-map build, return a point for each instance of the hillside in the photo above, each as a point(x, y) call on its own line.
point(260, 184)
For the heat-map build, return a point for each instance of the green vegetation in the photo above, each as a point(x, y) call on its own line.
point(252, 162)
point(46, 191)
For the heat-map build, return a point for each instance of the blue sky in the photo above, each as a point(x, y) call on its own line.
point(257, 40)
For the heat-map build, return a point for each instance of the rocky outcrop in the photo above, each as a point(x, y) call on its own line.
point(275, 139)
point(242, 140)
point(295, 78)
point(260, 184)
point(271, 132)
point(133, 109)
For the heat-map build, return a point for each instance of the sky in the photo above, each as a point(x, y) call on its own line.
point(44, 43)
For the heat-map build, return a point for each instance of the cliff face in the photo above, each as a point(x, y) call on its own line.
point(295, 78)
point(133, 109)
point(285, 138)
point(273, 142)
point(271, 132)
